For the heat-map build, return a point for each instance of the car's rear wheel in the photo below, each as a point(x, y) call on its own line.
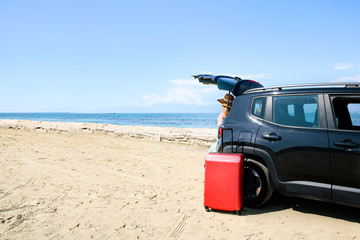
point(257, 187)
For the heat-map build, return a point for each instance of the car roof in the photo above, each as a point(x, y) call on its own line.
point(352, 87)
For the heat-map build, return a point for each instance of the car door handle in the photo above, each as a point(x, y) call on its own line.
point(272, 137)
point(346, 144)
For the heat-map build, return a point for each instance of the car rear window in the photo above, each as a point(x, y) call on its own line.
point(258, 107)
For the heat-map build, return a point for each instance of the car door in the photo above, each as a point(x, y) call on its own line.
point(295, 136)
point(344, 141)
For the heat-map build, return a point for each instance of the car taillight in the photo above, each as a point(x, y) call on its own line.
point(220, 131)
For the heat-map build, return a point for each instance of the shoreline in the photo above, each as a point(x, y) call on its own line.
point(198, 136)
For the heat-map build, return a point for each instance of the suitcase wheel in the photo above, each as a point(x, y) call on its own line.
point(237, 212)
point(207, 209)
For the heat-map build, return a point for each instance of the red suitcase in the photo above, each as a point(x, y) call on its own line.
point(223, 182)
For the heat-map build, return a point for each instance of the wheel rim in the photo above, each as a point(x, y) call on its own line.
point(252, 183)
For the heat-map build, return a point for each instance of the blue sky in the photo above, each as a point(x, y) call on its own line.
point(139, 56)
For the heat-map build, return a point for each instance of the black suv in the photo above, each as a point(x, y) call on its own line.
point(299, 140)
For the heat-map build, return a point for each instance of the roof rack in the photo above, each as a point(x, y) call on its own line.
point(345, 84)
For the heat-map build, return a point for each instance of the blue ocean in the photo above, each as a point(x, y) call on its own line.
point(179, 120)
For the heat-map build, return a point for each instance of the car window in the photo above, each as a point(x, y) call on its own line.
point(258, 107)
point(296, 110)
point(354, 110)
point(347, 112)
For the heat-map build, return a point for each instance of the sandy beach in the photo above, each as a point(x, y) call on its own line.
point(96, 181)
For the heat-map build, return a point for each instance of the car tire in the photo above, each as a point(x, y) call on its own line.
point(257, 188)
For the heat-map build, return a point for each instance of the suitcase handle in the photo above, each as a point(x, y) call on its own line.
point(232, 137)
